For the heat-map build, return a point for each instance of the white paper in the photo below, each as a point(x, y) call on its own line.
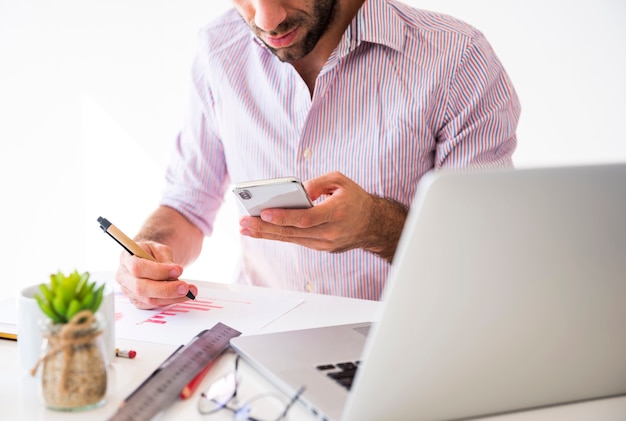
point(177, 324)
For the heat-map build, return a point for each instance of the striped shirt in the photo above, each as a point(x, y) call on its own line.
point(404, 92)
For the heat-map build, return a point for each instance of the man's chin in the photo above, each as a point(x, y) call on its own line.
point(287, 54)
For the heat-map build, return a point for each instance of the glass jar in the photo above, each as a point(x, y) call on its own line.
point(74, 375)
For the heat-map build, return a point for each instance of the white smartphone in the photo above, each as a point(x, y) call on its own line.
point(284, 192)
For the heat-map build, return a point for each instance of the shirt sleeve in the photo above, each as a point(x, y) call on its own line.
point(481, 114)
point(196, 177)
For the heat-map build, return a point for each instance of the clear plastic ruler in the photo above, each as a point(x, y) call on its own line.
point(163, 387)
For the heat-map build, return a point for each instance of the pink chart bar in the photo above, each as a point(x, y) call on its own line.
point(181, 308)
point(159, 322)
point(193, 307)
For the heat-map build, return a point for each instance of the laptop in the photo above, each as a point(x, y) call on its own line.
point(507, 292)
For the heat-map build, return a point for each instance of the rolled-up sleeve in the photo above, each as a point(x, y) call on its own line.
point(197, 177)
point(481, 114)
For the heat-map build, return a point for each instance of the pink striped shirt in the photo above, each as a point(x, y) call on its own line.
point(405, 91)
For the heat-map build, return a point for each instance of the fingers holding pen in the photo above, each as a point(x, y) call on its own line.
point(147, 293)
point(146, 301)
point(143, 280)
point(162, 268)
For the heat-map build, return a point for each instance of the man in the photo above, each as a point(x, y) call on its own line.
point(357, 98)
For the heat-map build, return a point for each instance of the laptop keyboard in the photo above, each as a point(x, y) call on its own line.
point(342, 373)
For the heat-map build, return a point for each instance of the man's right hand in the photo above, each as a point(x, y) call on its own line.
point(150, 284)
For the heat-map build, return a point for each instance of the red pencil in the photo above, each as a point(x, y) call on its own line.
point(195, 382)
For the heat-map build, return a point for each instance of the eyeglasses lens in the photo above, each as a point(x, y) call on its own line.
point(219, 394)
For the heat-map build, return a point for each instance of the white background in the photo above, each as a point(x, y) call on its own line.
point(92, 94)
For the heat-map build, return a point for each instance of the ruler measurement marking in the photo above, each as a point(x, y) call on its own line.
point(164, 387)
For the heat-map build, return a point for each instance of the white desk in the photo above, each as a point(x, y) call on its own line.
point(19, 399)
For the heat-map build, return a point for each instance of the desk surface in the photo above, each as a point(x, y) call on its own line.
point(19, 397)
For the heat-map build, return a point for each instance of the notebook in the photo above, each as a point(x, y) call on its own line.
point(507, 292)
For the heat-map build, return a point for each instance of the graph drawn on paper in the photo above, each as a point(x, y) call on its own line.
point(164, 316)
point(244, 311)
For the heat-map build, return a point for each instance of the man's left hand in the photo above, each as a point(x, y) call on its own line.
point(347, 218)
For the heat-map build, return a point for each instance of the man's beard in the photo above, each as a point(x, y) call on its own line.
point(317, 25)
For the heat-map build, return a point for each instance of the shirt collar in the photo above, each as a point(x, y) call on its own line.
point(375, 23)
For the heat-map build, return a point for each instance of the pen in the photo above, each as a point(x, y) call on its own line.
point(195, 382)
point(9, 336)
point(128, 244)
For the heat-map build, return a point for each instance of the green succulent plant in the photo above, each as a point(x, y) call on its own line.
point(65, 296)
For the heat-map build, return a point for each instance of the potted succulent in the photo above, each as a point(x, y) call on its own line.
point(74, 375)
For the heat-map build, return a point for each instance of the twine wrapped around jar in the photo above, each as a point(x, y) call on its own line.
point(74, 373)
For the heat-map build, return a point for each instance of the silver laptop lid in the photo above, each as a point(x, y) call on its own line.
point(508, 291)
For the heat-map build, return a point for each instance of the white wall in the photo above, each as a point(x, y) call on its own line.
point(567, 59)
point(92, 94)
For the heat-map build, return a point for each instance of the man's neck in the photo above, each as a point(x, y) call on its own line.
point(310, 66)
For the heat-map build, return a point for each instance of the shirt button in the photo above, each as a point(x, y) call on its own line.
point(310, 287)
point(307, 153)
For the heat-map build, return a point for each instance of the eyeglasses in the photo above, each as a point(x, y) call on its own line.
point(223, 395)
